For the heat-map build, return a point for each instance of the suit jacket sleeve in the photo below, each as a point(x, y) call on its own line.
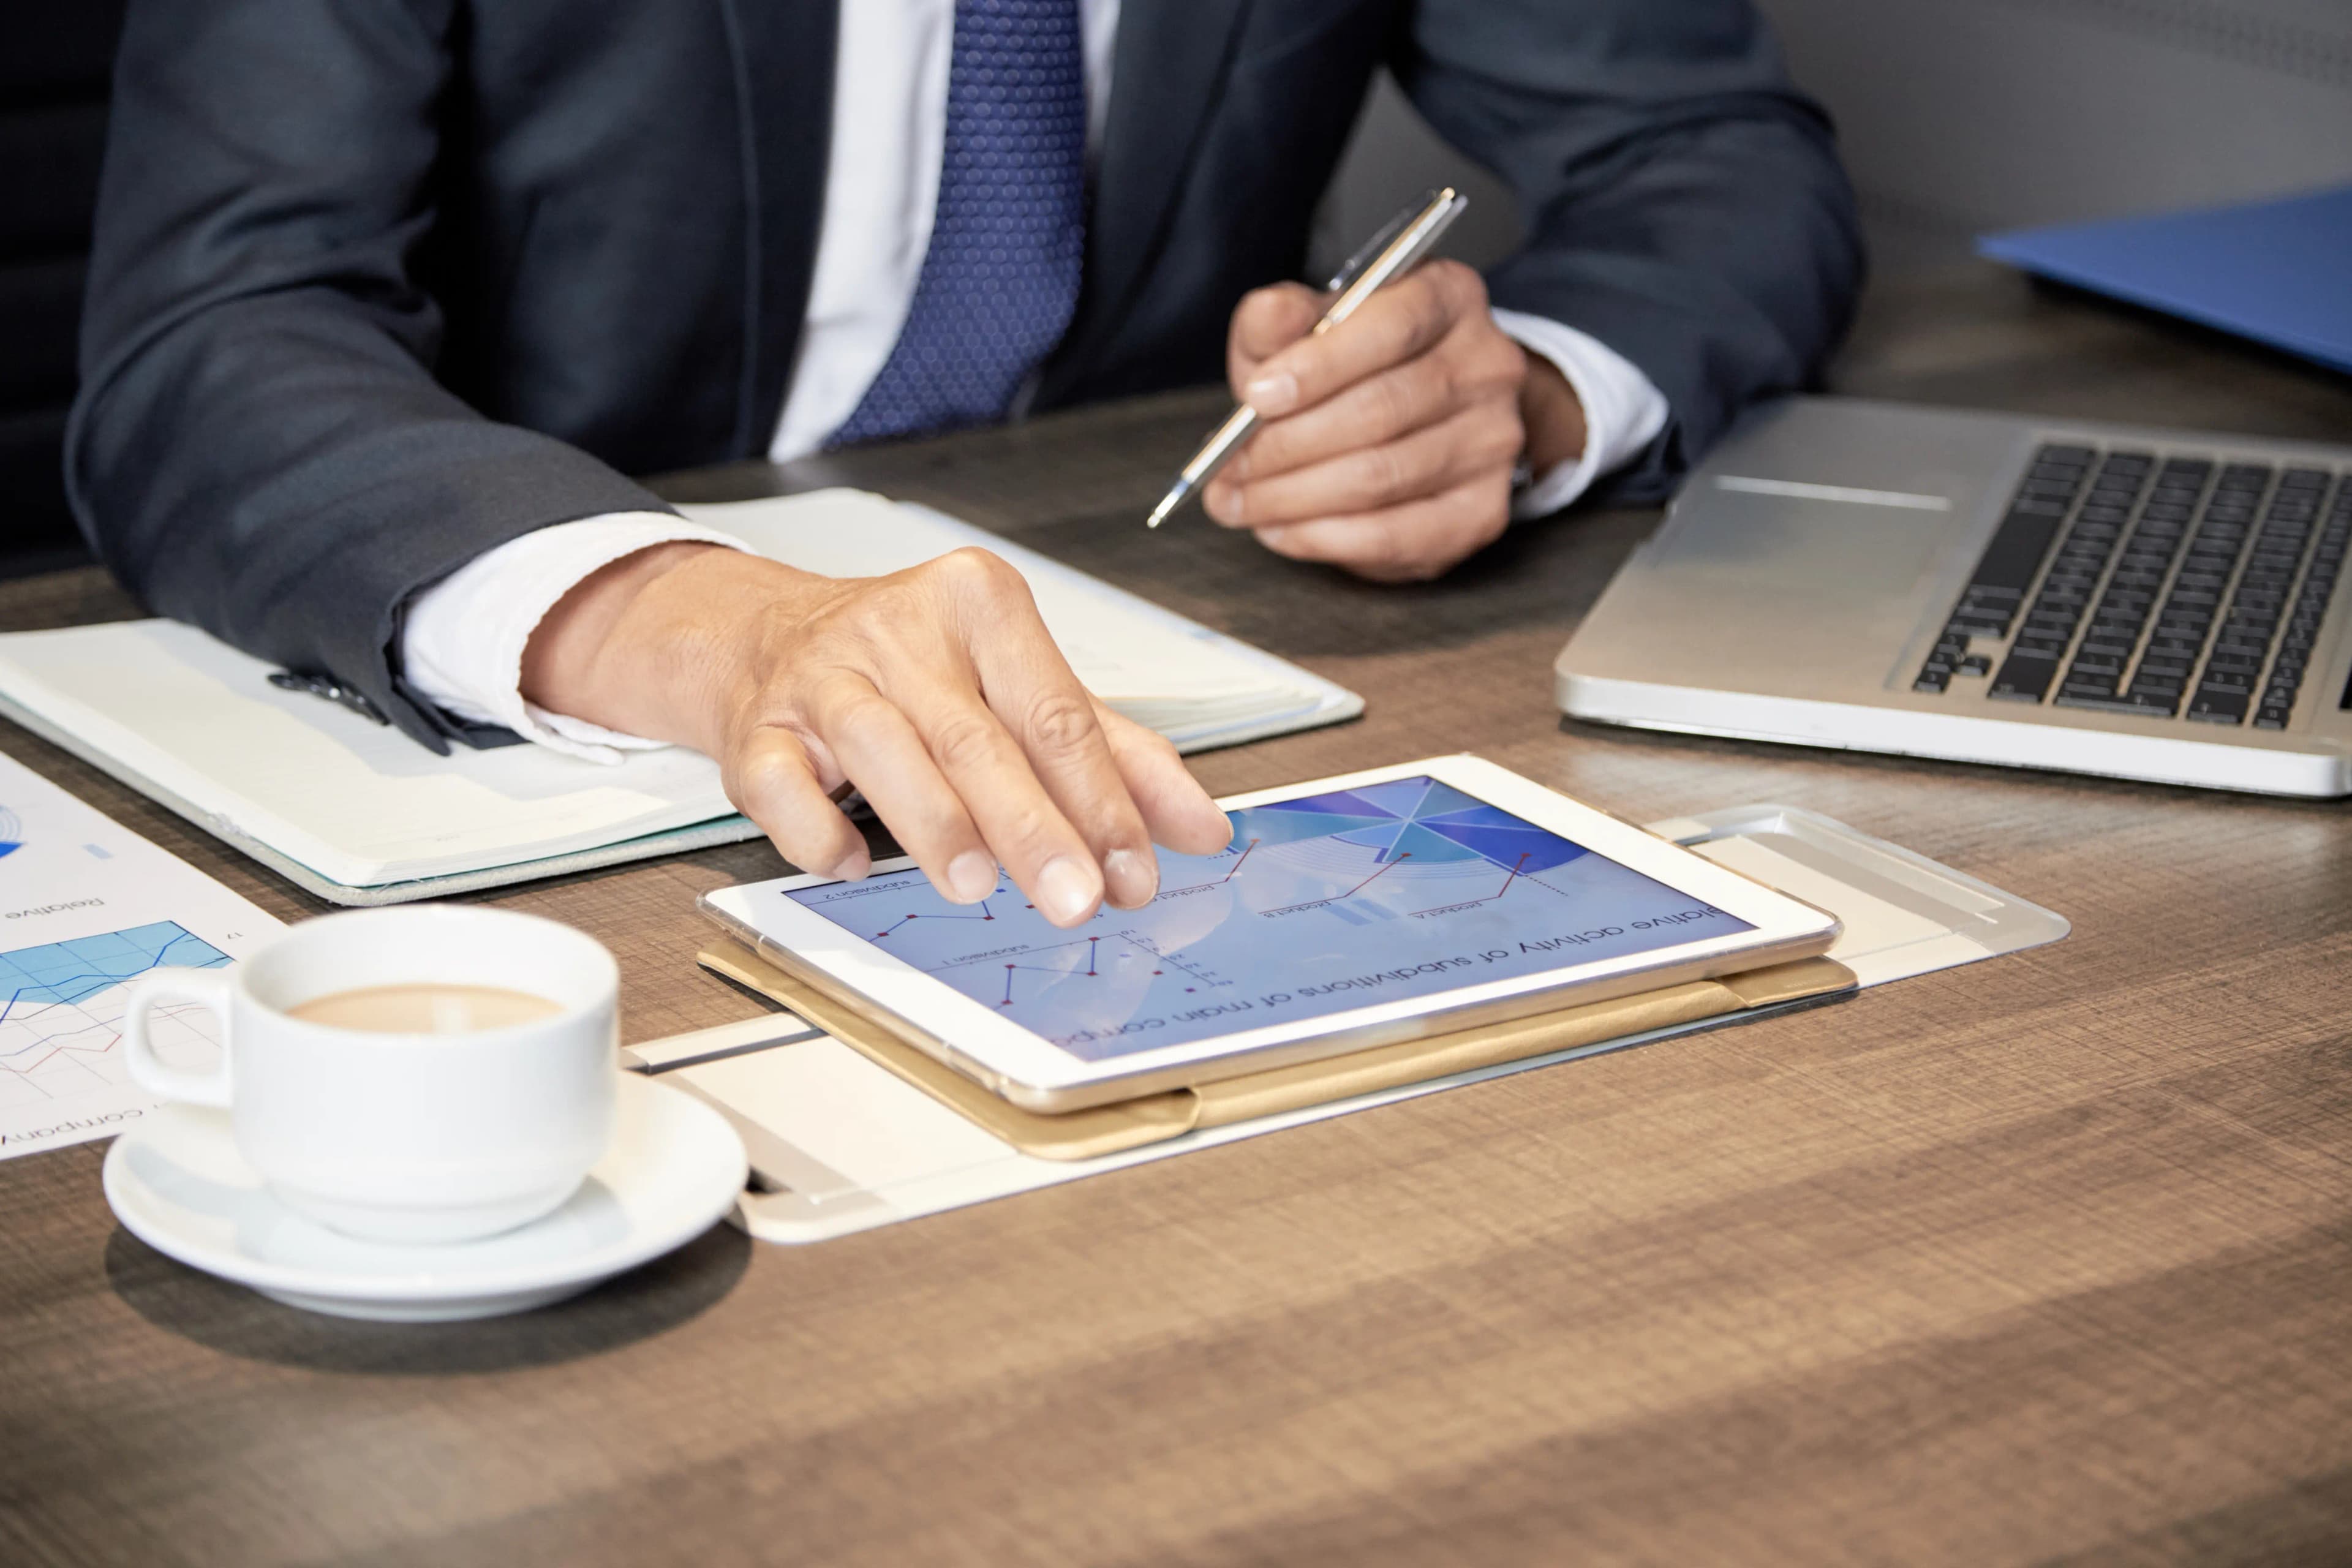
point(261, 446)
point(1682, 202)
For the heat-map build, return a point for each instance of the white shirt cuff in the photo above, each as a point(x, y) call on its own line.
point(1624, 412)
point(461, 643)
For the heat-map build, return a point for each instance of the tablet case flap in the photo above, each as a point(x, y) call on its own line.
point(1074, 1135)
point(1129, 1124)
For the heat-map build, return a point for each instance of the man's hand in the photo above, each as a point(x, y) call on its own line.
point(1387, 444)
point(935, 691)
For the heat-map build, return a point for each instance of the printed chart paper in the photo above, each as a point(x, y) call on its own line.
point(85, 907)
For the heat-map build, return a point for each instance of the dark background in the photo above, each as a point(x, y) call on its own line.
point(53, 66)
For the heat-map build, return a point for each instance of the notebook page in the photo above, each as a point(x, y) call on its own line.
point(355, 801)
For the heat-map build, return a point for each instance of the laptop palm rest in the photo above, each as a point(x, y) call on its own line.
point(1773, 591)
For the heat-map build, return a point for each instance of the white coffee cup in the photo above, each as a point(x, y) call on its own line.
point(404, 1137)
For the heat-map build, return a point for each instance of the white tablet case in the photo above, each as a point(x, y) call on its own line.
point(839, 1145)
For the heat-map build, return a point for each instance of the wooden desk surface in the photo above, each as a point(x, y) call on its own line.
point(2045, 1260)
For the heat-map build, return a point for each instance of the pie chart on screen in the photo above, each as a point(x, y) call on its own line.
point(12, 832)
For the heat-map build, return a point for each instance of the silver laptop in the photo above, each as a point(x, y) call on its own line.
point(2142, 602)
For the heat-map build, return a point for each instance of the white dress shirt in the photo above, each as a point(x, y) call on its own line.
point(462, 640)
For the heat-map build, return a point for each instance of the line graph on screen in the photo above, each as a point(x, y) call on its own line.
point(61, 1011)
point(1387, 890)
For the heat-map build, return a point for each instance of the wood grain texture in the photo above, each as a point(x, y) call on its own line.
point(2044, 1260)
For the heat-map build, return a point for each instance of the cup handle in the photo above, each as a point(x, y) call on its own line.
point(208, 989)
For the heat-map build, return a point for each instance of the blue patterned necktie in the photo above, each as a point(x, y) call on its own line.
point(1001, 279)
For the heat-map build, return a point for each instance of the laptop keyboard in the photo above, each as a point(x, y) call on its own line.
point(2180, 586)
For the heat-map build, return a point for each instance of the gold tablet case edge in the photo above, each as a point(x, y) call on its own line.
point(1155, 1118)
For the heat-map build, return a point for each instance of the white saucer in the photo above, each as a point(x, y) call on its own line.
point(177, 1183)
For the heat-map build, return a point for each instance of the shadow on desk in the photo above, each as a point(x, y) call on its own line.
point(233, 1321)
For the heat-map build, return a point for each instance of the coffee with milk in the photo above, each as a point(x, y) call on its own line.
point(425, 1009)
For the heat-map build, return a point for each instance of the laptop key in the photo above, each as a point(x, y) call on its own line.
point(2154, 703)
point(2025, 676)
point(2219, 705)
point(2016, 551)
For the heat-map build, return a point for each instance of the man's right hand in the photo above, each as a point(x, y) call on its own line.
point(936, 692)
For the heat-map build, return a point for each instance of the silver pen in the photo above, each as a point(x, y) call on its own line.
point(1386, 256)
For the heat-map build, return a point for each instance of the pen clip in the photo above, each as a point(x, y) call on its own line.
point(1367, 253)
point(1357, 265)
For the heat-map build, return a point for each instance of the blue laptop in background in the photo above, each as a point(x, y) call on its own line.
point(2277, 271)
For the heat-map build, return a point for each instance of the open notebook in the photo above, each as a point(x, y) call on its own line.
point(358, 813)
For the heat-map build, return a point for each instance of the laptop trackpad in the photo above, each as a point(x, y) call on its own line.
point(1771, 593)
point(1858, 557)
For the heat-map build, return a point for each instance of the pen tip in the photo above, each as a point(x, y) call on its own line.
point(1168, 503)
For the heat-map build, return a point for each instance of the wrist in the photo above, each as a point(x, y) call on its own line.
point(1552, 416)
point(646, 644)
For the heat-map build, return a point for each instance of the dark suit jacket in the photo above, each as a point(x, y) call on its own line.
point(381, 284)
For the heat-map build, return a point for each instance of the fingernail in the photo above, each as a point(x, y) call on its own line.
point(1272, 394)
point(1067, 891)
point(972, 877)
point(1131, 877)
point(853, 866)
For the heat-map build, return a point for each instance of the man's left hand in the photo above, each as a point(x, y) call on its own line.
point(1386, 446)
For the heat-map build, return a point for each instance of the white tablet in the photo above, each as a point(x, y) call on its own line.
point(1346, 914)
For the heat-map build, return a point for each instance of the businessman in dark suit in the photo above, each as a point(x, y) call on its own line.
point(390, 295)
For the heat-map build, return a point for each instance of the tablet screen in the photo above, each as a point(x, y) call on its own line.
point(1321, 903)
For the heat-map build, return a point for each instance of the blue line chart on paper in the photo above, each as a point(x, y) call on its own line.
point(61, 1011)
